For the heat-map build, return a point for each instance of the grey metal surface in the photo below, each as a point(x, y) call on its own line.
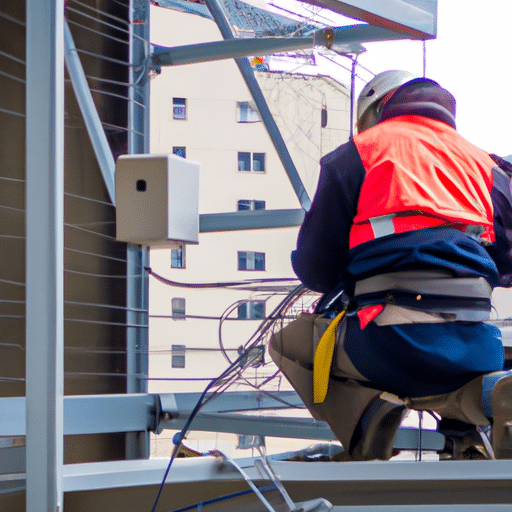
point(89, 113)
point(352, 484)
point(250, 219)
point(417, 18)
point(137, 294)
point(44, 254)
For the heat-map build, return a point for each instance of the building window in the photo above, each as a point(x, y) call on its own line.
point(248, 260)
point(250, 204)
point(179, 108)
point(253, 310)
point(178, 356)
point(178, 308)
point(178, 257)
point(251, 161)
point(180, 151)
point(247, 112)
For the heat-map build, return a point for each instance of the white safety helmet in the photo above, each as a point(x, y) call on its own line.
point(369, 101)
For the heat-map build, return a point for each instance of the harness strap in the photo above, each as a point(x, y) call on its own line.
point(323, 360)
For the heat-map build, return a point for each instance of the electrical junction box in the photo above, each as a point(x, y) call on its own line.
point(157, 200)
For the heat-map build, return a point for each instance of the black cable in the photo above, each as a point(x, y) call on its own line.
point(179, 436)
point(226, 284)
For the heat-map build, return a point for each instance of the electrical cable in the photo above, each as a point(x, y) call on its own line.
point(226, 284)
point(179, 436)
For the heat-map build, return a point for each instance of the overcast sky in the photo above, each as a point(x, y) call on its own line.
point(471, 57)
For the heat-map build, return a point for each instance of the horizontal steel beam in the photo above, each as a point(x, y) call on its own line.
point(299, 428)
point(96, 414)
point(343, 39)
point(251, 219)
point(354, 484)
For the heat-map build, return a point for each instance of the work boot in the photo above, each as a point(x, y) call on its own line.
point(375, 433)
point(501, 413)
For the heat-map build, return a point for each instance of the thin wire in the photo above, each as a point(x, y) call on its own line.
point(109, 306)
point(101, 235)
point(101, 322)
point(96, 255)
point(103, 13)
point(10, 18)
point(12, 57)
point(11, 282)
point(85, 198)
point(104, 34)
point(6, 111)
point(104, 57)
point(12, 77)
point(12, 179)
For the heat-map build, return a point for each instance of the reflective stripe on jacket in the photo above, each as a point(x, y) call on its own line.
point(420, 173)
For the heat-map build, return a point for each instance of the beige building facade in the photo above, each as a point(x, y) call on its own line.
point(205, 113)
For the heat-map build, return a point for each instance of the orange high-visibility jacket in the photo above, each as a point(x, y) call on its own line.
point(420, 173)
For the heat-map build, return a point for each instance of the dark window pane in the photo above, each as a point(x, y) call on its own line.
point(259, 205)
point(242, 260)
point(258, 162)
point(178, 356)
point(244, 204)
point(177, 258)
point(180, 151)
point(257, 310)
point(259, 261)
point(244, 161)
point(242, 311)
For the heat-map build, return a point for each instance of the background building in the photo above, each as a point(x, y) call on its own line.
point(196, 326)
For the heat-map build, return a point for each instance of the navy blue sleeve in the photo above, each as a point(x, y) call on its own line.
point(321, 258)
point(501, 251)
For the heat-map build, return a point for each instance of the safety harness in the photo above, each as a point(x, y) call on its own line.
point(403, 297)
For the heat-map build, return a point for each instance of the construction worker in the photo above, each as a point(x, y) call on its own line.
point(414, 224)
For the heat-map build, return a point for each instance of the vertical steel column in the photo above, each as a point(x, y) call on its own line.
point(137, 446)
point(269, 122)
point(44, 253)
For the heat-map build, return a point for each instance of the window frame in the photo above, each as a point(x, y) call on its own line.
point(179, 308)
point(247, 110)
point(254, 162)
point(252, 204)
point(249, 310)
point(179, 103)
point(182, 257)
point(252, 260)
point(178, 356)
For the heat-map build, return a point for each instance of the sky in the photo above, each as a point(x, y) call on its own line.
point(470, 57)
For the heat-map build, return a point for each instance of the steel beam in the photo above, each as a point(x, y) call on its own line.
point(95, 414)
point(90, 114)
point(137, 296)
point(44, 253)
point(414, 18)
point(268, 120)
point(343, 40)
point(399, 485)
point(253, 219)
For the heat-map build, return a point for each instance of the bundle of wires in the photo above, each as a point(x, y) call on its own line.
point(247, 357)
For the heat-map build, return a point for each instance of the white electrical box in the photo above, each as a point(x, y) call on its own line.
point(157, 200)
